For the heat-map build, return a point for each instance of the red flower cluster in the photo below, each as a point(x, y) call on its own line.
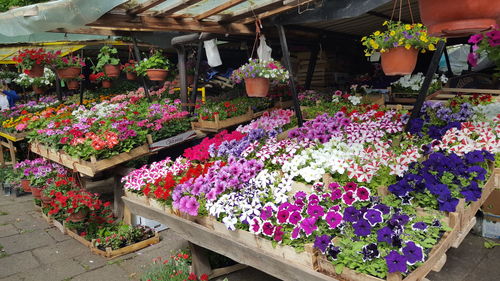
point(29, 57)
point(201, 153)
point(164, 187)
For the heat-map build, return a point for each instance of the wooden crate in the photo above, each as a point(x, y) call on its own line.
point(217, 125)
point(48, 219)
point(111, 254)
point(434, 262)
point(59, 225)
point(136, 197)
point(79, 238)
point(249, 239)
point(374, 99)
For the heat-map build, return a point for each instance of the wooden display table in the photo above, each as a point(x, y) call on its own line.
point(11, 139)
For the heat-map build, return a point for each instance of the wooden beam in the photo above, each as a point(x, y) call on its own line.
point(273, 12)
point(251, 11)
point(87, 31)
point(148, 23)
point(141, 8)
point(218, 9)
point(182, 4)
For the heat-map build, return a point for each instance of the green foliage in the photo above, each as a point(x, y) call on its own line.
point(107, 55)
point(156, 61)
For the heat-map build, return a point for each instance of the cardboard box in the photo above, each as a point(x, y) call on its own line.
point(490, 229)
point(492, 206)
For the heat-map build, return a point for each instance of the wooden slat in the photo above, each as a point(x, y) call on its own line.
point(149, 23)
point(472, 91)
point(273, 12)
point(181, 5)
point(223, 244)
point(218, 9)
point(249, 12)
point(144, 6)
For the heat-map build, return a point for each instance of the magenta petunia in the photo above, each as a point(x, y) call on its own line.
point(294, 218)
point(268, 229)
point(315, 210)
point(336, 194)
point(282, 216)
point(350, 186)
point(333, 219)
point(295, 233)
point(363, 193)
point(348, 198)
point(309, 225)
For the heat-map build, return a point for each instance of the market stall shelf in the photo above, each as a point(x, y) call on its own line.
point(11, 138)
point(111, 254)
point(270, 263)
point(218, 125)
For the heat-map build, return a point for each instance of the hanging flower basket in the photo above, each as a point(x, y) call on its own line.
point(106, 84)
point(36, 71)
point(38, 90)
point(157, 74)
point(112, 70)
point(79, 216)
point(131, 76)
point(399, 61)
point(68, 72)
point(452, 18)
point(73, 84)
point(257, 87)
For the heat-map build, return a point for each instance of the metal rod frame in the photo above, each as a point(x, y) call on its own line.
point(448, 64)
point(422, 94)
point(312, 65)
point(196, 74)
point(288, 65)
point(138, 59)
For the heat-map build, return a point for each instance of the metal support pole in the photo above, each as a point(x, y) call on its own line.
point(58, 88)
point(181, 55)
point(422, 94)
point(81, 82)
point(448, 64)
point(138, 59)
point(471, 50)
point(288, 65)
point(312, 65)
point(196, 73)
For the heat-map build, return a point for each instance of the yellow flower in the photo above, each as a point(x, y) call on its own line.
point(363, 39)
point(407, 27)
point(419, 25)
point(377, 33)
point(423, 51)
point(401, 43)
point(382, 50)
point(392, 33)
point(407, 46)
point(424, 38)
point(432, 47)
point(385, 23)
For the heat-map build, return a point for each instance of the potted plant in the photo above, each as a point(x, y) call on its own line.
point(74, 84)
point(129, 69)
point(399, 46)
point(57, 185)
point(458, 18)
point(32, 61)
point(258, 75)
point(488, 42)
point(107, 60)
point(69, 67)
point(39, 84)
point(101, 77)
point(156, 67)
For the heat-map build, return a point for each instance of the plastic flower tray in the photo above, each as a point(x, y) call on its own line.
point(111, 254)
point(217, 124)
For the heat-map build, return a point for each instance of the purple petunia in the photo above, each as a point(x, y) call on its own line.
point(362, 228)
point(373, 216)
point(419, 226)
point(413, 253)
point(322, 242)
point(351, 214)
point(385, 235)
point(396, 262)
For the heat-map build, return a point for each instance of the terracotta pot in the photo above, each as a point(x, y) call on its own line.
point(131, 75)
point(112, 70)
point(37, 192)
point(457, 18)
point(36, 71)
point(106, 84)
point(78, 216)
point(157, 74)
point(399, 61)
point(25, 184)
point(38, 90)
point(73, 84)
point(68, 72)
point(46, 199)
point(190, 80)
point(257, 87)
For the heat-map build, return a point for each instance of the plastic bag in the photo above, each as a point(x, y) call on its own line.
point(213, 56)
point(264, 51)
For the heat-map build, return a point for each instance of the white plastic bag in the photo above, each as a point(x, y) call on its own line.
point(264, 51)
point(213, 56)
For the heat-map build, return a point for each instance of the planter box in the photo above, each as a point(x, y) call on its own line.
point(217, 125)
point(156, 205)
point(59, 226)
point(249, 239)
point(136, 197)
point(110, 254)
point(78, 238)
point(374, 99)
point(47, 218)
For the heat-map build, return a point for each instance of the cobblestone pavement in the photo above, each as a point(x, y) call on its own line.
point(30, 249)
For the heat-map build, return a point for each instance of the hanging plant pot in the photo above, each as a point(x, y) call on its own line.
point(37, 192)
point(257, 87)
point(78, 216)
point(157, 74)
point(106, 84)
point(452, 18)
point(68, 72)
point(73, 84)
point(112, 70)
point(38, 90)
point(399, 61)
point(36, 71)
point(25, 185)
point(131, 76)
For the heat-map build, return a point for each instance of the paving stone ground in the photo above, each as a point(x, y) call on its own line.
point(31, 250)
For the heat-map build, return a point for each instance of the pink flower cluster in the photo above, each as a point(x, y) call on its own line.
point(270, 120)
point(470, 137)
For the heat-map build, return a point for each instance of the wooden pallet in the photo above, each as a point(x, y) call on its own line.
point(111, 254)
